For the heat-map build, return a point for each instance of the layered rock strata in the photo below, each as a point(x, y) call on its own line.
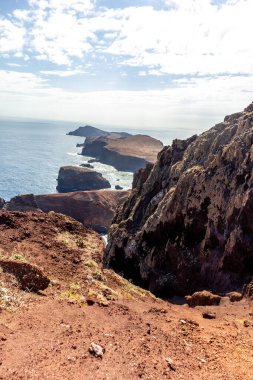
point(93, 209)
point(188, 223)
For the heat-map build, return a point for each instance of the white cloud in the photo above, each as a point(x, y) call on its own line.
point(186, 37)
point(28, 95)
point(194, 37)
point(12, 37)
point(62, 73)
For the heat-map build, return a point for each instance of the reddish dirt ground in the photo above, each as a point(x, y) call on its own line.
point(48, 335)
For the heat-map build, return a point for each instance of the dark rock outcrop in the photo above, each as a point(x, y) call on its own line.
point(2, 203)
point(89, 166)
point(74, 178)
point(29, 276)
point(188, 223)
point(93, 209)
point(126, 154)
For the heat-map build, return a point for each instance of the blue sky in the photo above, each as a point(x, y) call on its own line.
point(145, 63)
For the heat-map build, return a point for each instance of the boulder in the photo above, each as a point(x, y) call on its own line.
point(73, 178)
point(126, 154)
point(188, 223)
point(89, 166)
point(93, 209)
point(29, 276)
point(234, 296)
point(118, 187)
point(203, 298)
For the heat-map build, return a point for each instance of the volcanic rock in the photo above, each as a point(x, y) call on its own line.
point(187, 224)
point(2, 203)
point(73, 178)
point(29, 277)
point(93, 209)
point(125, 154)
point(89, 166)
point(234, 296)
point(208, 315)
point(248, 290)
point(203, 298)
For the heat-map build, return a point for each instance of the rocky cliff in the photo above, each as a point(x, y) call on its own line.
point(74, 178)
point(188, 222)
point(126, 154)
point(93, 209)
point(2, 203)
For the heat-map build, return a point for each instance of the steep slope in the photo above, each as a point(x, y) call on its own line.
point(47, 334)
point(188, 222)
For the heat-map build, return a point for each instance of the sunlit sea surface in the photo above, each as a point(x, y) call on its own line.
point(31, 154)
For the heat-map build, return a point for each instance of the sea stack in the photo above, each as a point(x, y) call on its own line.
point(188, 223)
point(74, 178)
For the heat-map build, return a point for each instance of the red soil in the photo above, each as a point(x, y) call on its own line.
point(48, 336)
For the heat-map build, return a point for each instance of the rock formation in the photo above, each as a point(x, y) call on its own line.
point(89, 131)
point(73, 178)
point(93, 209)
point(29, 277)
point(188, 223)
point(126, 154)
point(2, 203)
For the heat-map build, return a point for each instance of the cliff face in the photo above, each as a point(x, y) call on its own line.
point(73, 178)
point(188, 222)
point(125, 153)
point(93, 209)
point(2, 203)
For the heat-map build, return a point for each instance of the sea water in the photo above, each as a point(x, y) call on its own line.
point(32, 152)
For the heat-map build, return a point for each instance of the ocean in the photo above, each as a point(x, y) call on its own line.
point(32, 152)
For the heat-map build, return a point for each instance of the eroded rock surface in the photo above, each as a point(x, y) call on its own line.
point(74, 178)
point(93, 209)
point(188, 223)
point(2, 203)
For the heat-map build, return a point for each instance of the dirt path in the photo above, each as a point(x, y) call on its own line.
point(49, 339)
point(47, 336)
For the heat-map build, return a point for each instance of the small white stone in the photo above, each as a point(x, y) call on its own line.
point(96, 350)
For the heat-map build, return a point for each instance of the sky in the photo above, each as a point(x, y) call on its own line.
point(142, 63)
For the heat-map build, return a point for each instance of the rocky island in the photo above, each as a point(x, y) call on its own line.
point(74, 178)
point(125, 154)
point(187, 224)
point(89, 131)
